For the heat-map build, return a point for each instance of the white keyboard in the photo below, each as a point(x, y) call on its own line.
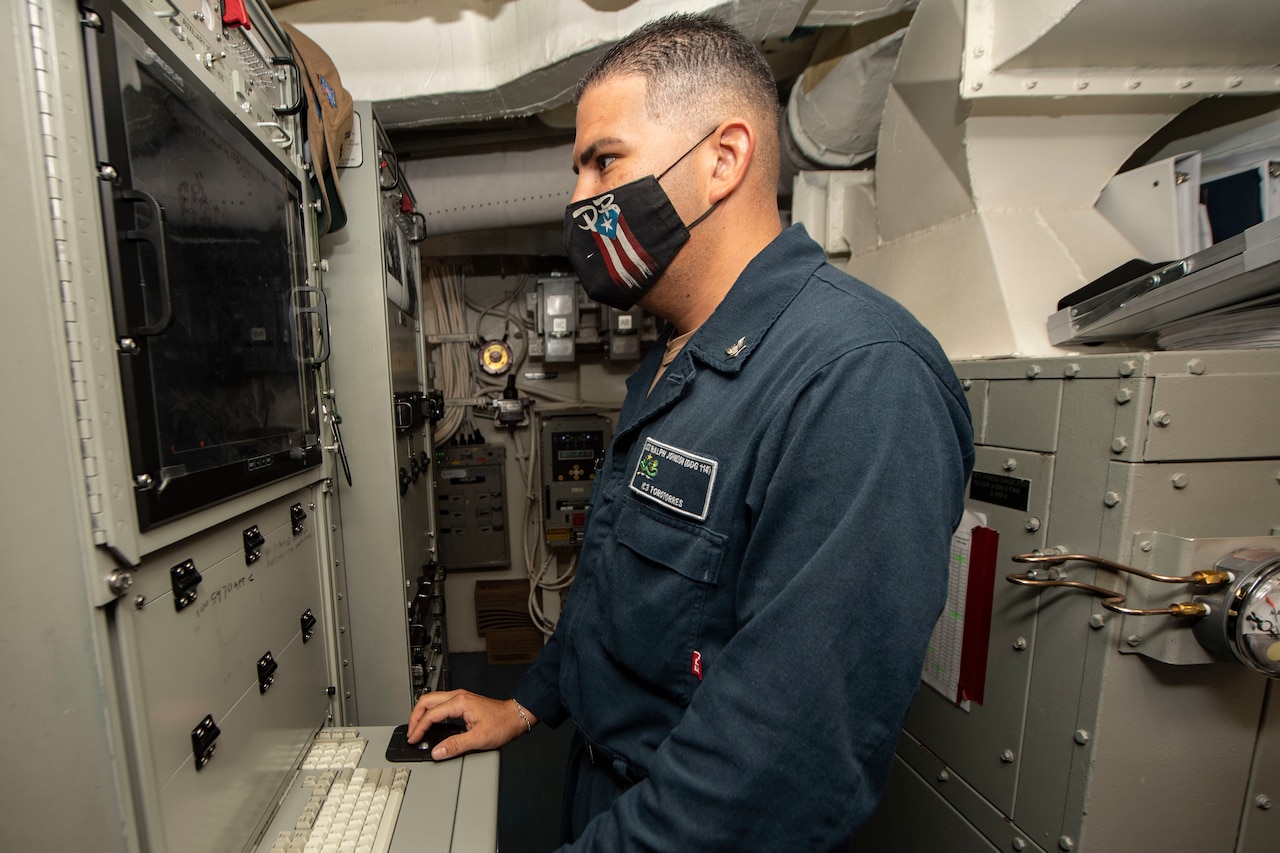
point(350, 809)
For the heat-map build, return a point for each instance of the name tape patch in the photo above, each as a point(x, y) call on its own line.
point(675, 478)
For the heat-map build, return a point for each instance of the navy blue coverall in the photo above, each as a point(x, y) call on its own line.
point(765, 556)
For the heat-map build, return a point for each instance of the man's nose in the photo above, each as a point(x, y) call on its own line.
point(582, 188)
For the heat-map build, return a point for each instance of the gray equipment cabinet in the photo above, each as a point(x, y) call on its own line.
point(377, 366)
point(1102, 731)
point(168, 665)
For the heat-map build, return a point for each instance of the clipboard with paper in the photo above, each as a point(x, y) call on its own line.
point(955, 662)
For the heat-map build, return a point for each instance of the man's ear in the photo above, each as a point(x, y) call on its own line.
point(735, 147)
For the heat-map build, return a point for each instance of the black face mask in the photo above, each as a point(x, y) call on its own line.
point(619, 243)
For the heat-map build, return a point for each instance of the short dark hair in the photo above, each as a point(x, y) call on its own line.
point(695, 66)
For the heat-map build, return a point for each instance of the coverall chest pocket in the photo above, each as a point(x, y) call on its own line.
point(660, 579)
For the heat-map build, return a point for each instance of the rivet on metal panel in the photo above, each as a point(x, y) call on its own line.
point(1096, 621)
point(1082, 85)
point(1009, 464)
point(1066, 843)
point(944, 776)
point(1145, 546)
point(966, 384)
point(1032, 524)
point(1127, 368)
point(1110, 499)
point(1028, 84)
point(1020, 644)
point(1019, 844)
point(1006, 756)
point(1184, 82)
point(1132, 83)
point(342, 630)
point(1120, 444)
point(1033, 371)
point(1081, 737)
point(1234, 81)
point(139, 601)
point(1133, 640)
point(1262, 801)
point(979, 52)
point(977, 86)
point(1123, 396)
point(1071, 371)
point(1195, 366)
point(1179, 481)
point(1161, 419)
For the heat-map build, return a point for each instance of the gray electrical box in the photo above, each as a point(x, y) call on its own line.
point(471, 506)
point(557, 320)
point(573, 446)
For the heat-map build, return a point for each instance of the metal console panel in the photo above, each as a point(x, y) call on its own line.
point(1096, 725)
point(377, 371)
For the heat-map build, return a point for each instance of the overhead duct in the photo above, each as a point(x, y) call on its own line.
point(833, 113)
point(436, 61)
point(501, 189)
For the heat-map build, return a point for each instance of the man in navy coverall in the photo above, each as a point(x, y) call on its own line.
point(767, 545)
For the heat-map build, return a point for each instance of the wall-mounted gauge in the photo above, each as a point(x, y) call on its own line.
point(495, 357)
point(1244, 615)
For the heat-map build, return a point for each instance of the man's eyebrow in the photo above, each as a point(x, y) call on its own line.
point(589, 152)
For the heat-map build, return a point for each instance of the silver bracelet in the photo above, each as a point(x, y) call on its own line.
point(528, 726)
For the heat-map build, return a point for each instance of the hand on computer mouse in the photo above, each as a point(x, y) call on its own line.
point(490, 723)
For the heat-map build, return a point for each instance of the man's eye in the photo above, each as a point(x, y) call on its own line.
point(604, 160)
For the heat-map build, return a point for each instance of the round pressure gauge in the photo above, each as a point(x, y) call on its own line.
point(1244, 615)
point(495, 357)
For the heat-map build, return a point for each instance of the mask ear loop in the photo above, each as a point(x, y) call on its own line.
point(708, 211)
point(687, 153)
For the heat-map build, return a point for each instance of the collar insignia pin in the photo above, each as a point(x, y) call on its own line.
point(736, 349)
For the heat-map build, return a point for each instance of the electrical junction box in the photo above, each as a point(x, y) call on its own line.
point(471, 506)
point(573, 447)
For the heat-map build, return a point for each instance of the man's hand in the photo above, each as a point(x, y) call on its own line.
point(490, 722)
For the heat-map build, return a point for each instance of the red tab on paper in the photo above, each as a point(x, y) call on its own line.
point(696, 669)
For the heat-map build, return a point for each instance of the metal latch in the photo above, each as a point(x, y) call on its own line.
point(253, 540)
point(267, 667)
point(308, 625)
point(184, 578)
point(298, 516)
point(202, 738)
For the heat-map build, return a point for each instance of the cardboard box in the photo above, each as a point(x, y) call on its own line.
point(502, 618)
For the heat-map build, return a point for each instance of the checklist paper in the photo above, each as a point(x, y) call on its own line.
point(955, 663)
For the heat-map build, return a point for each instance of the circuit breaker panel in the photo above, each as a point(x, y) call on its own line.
point(1137, 500)
point(471, 506)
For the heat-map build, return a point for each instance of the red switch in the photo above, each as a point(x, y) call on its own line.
point(234, 14)
point(406, 204)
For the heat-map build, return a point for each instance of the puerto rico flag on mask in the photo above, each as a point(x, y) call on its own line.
point(628, 263)
point(630, 234)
